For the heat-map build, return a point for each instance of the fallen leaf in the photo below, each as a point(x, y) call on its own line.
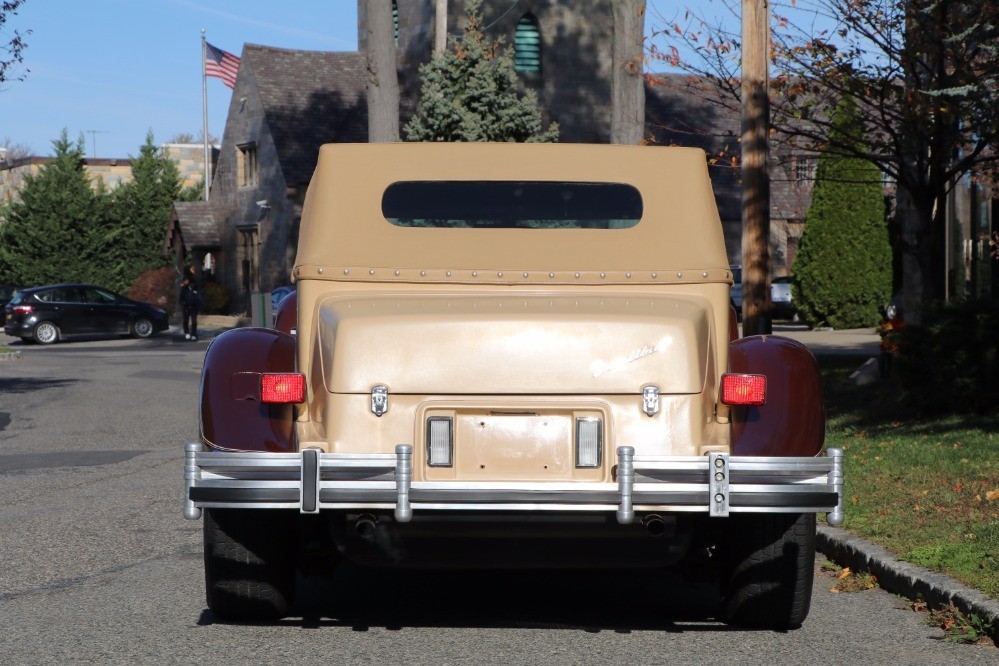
point(844, 573)
point(992, 495)
point(958, 488)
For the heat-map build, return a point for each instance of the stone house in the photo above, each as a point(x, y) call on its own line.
point(287, 103)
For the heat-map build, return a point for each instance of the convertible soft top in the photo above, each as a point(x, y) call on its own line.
point(671, 232)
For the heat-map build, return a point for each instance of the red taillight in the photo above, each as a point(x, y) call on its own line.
point(744, 389)
point(23, 309)
point(284, 388)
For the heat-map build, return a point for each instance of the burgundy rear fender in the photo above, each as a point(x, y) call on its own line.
point(792, 422)
point(232, 416)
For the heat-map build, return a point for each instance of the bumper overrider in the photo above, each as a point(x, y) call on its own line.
point(717, 484)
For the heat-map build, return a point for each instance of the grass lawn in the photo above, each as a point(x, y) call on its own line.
point(925, 488)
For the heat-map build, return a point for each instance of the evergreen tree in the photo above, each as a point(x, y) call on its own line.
point(469, 93)
point(133, 242)
point(842, 273)
point(50, 235)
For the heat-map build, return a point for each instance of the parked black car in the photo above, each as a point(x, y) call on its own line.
point(47, 314)
point(7, 292)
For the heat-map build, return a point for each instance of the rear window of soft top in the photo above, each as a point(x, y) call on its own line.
point(512, 205)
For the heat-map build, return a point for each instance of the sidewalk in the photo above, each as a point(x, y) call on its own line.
point(850, 342)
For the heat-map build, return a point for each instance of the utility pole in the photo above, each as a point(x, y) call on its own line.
point(440, 27)
point(756, 306)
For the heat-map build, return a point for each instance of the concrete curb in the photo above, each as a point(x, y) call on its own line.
point(10, 356)
point(904, 578)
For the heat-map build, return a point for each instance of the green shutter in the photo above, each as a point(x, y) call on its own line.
point(527, 45)
point(395, 20)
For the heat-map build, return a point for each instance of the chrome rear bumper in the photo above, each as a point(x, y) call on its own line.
point(309, 481)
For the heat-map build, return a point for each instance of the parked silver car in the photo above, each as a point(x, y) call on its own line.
point(780, 296)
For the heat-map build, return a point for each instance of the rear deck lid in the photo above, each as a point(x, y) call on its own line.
point(536, 345)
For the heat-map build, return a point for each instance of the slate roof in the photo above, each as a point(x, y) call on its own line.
point(309, 98)
point(196, 224)
point(677, 113)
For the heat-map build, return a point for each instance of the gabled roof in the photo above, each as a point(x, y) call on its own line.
point(309, 98)
point(194, 221)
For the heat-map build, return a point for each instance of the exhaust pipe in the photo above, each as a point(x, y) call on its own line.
point(365, 526)
point(654, 525)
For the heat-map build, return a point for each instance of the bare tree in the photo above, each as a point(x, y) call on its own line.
point(383, 78)
point(924, 73)
point(188, 137)
point(628, 80)
point(10, 150)
point(11, 52)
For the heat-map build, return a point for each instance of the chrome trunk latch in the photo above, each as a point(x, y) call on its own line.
point(379, 400)
point(650, 400)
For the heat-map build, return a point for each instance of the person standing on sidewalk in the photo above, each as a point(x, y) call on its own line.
point(190, 300)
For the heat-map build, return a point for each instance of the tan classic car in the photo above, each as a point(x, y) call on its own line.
point(511, 355)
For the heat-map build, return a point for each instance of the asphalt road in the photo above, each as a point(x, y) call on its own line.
point(97, 563)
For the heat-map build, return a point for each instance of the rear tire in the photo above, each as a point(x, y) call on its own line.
point(249, 563)
point(771, 560)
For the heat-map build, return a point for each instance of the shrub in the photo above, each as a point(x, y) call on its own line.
point(950, 363)
point(214, 298)
point(842, 273)
point(157, 286)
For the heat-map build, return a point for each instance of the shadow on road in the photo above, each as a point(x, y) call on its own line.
point(582, 600)
point(28, 385)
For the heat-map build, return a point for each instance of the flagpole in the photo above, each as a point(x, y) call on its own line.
point(204, 109)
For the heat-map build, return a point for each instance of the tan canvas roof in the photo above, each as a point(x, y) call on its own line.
point(344, 233)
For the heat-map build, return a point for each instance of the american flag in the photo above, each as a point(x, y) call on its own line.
point(221, 64)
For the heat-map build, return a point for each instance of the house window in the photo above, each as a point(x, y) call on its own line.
point(527, 45)
point(804, 171)
point(246, 165)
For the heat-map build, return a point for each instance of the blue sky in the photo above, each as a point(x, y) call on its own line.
point(123, 67)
